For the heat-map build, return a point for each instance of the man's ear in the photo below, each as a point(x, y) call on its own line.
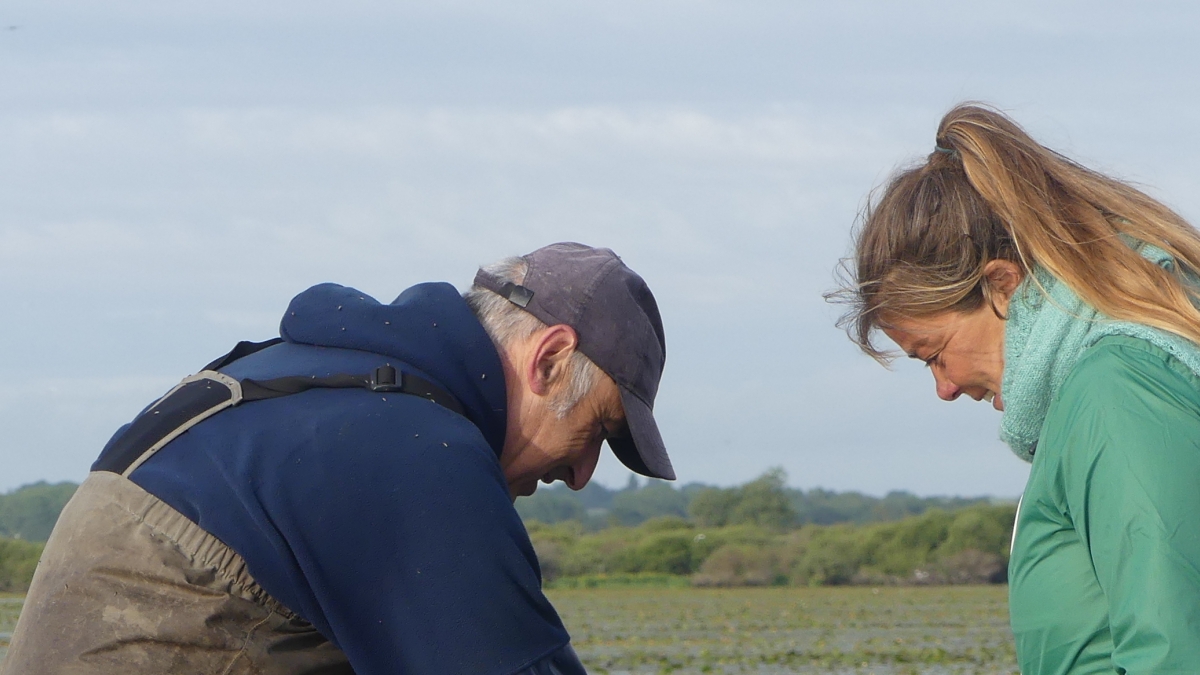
point(1000, 280)
point(551, 350)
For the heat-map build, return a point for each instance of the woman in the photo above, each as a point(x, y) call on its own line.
point(1068, 300)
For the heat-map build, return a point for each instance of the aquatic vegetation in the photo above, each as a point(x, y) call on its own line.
point(778, 630)
point(10, 607)
point(931, 630)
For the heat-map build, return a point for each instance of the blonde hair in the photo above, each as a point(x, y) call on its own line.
point(989, 191)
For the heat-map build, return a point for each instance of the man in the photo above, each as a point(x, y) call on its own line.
point(340, 500)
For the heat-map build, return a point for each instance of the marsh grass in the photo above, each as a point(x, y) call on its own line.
point(886, 631)
point(936, 630)
point(10, 607)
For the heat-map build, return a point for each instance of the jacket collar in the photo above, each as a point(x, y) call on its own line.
point(429, 327)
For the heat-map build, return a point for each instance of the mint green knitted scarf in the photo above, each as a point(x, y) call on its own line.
point(1046, 332)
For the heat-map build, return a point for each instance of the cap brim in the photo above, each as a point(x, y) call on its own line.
point(644, 452)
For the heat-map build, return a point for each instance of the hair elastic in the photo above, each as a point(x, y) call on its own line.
point(944, 151)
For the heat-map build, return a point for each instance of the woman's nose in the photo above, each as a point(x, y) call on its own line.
point(946, 390)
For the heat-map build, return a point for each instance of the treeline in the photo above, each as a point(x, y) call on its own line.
point(18, 559)
point(759, 533)
point(766, 501)
point(30, 512)
point(763, 533)
point(939, 547)
point(27, 515)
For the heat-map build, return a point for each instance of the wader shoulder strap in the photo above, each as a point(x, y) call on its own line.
point(208, 392)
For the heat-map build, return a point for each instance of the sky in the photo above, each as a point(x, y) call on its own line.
point(171, 174)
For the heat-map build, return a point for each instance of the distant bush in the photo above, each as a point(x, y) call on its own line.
point(30, 512)
point(622, 581)
point(656, 499)
point(896, 549)
point(825, 556)
point(740, 565)
point(551, 507)
point(712, 507)
point(966, 546)
point(968, 567)
point(758, 533)
point(766, 501)
point(18, 559)
point(980, 529)
point(763, 501)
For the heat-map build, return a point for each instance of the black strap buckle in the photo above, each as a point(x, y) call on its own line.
point(516, 294)
point(387, 378)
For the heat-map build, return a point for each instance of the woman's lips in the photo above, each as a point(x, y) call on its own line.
point(995, 399)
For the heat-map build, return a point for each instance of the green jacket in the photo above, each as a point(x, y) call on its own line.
point(1105, 567)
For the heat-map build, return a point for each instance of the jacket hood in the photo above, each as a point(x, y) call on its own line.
point(429, 327)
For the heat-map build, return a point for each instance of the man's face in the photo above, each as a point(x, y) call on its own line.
point(541, 445)
point(566, 448)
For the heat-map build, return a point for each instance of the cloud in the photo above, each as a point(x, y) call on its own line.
point(173, 174)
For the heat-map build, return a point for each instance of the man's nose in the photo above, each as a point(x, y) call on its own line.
point(579, 473)
point(946, 390)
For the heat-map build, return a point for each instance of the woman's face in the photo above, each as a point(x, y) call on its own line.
point(963, 350)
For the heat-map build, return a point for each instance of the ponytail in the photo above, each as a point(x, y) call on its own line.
point(990, 191)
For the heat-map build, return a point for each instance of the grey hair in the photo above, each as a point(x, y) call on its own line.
point(507, 323)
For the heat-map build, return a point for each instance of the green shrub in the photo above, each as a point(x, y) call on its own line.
point(741, 565)
point(29, 512)
point(656, 499)
point(622, 581)
point(598, 553)
point(969, 567)
point(565, 532)
point(968, 546)
point(897, 549)
point(982, 528)
point(664, 552)
point(826, 556)
point(18, 559)
point(764, 502)
point(665, 524)
point(550, 506)
point(712, 507)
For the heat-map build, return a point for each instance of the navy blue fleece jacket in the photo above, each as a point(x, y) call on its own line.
point(383, 519)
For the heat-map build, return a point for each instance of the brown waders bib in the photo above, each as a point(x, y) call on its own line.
point(128, 585)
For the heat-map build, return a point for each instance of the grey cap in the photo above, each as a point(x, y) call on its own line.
point(619, 328)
